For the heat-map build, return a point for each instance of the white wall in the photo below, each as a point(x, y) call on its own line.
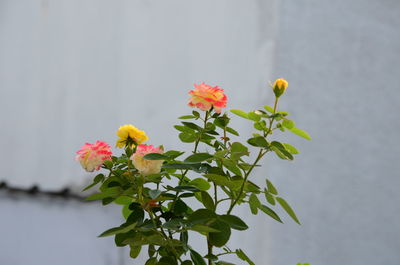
point(73, 71)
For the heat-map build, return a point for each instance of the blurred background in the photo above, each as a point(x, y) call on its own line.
point(74, 71)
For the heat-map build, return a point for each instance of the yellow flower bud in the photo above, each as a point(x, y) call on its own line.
point(279, 87)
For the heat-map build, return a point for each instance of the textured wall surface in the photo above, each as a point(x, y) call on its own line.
point(73, 71)
point(342, 59)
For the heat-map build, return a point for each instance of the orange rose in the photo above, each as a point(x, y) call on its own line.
point(206, 97)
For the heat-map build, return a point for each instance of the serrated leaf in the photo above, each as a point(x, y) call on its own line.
point(300, 133)
point(288, 209)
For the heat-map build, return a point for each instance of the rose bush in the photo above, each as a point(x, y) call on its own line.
point(156, 188)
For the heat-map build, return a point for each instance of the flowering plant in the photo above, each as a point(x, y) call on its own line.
point(156, 187)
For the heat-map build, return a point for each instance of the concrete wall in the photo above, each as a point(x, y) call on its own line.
point(76, 70)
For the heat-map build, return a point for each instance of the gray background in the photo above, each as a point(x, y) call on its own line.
point(73, 71)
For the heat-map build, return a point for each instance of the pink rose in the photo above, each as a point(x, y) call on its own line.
point(144, 166)
point(92, 156)
point(206, 97)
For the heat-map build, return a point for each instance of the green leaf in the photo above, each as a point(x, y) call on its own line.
point(180, 208)
point(108, 164)
point(269, 109)
point(231, 166)
point(233, 221)
point(281, 151)
point(211, 257)
point(241, 255)
point(118, 230)
point(197, 258)
point(198, 157)
point(221, 262)
point(187, 137)
point(172, 154)
point(291, 148)
point(219, 239)
point(123, 200)
point(203, 229)
point(180, 166)
point(186, 117)
point(269, 197)
point(201, 216)
point(97, 179)
point(288, 209)
point(207, 201)
point(240, 113)
point(223, 181)
point(237, 147)
point(300, 133)
point(125, 211)
point(253, 116)
point(187, 262)
point(221, 121)
point(185, 129)
point(271, 188)
point(200, 183)
point(232, 131)
point(151, 261)
point(258, 141)
point(154, 193)
point(288, 124)
point(254, 203)
point(192, 125)
point(109, 192)
point(155, 156)
point(270, 212)
point(135, 251)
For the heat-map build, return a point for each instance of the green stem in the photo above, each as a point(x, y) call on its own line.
point(163, 234)
point(260, 155)
point(210, 248)
point(196, 145)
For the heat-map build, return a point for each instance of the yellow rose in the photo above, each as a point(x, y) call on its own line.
point(279, 87)
point(130, 135)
